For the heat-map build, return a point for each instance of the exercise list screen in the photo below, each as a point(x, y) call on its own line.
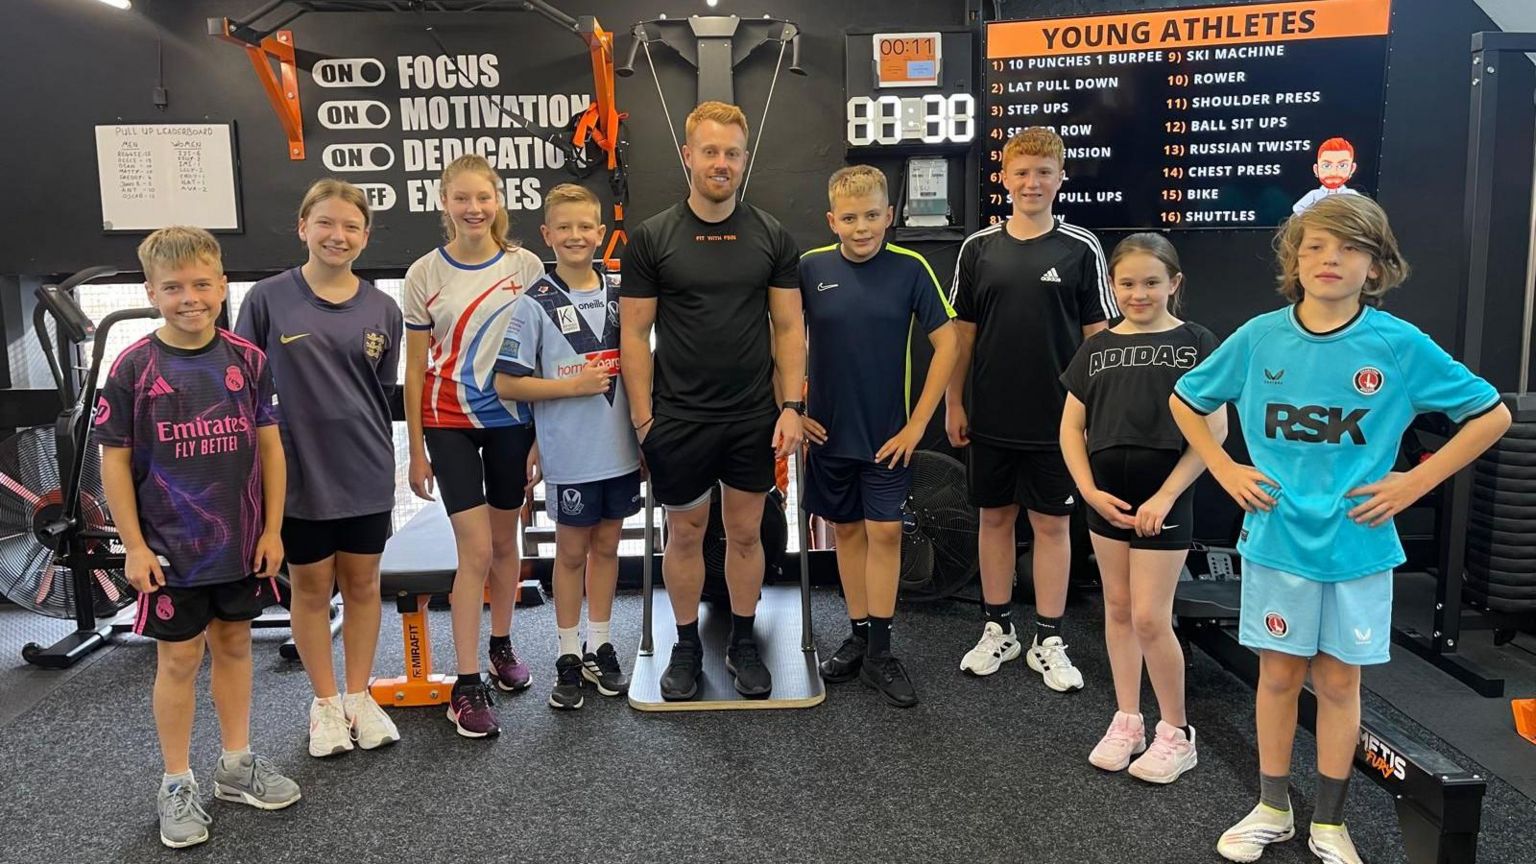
point(1216, 117)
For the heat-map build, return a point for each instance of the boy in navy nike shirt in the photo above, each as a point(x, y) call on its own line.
point(1324, 390)
point(193, 470)
point(862, 298)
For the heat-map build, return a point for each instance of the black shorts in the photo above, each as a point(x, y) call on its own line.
point(1134, 474)
point(582, 505)
point(178, 614)
point(480, 466)
point(688, 458)
point(307, 541)
point(842, 490)
point(1036, 480)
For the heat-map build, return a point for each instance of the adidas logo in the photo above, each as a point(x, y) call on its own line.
point(160, 388)
point(1051, 276)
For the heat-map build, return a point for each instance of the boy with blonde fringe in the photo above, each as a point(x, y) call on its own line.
point(863, 297)
point(560, 354)
point(193, 470)
point(1324, 390)
point(1027, 292)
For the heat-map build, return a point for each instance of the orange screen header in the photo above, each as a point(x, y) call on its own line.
point(1190, 28)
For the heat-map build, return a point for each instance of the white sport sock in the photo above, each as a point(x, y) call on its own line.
point(597, 635)
point(570, 641)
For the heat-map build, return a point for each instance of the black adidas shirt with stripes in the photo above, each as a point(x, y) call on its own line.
point(1029, 300)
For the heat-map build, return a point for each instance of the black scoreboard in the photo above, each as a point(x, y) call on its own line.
point(1218, 117)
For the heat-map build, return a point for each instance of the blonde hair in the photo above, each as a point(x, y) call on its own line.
point(502, 222)
point(178, 246)
point(1036, 141)
point(331, 187)
point(855, 181)
point(720, 112)
point(1158, 246)
point(571, 193)
point(1353, 218)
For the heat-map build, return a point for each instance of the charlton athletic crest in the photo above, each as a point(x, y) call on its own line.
point(1274, 622)
point(234, 379)
point(1368, 380)
point(373, 344)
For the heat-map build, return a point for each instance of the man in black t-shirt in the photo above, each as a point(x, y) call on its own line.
point(711, 273)
point(1026, 293)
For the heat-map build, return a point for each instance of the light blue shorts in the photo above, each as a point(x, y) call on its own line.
point(1349, 621)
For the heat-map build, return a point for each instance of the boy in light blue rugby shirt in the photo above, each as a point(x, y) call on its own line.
point(1324, 390)
point(561, 355)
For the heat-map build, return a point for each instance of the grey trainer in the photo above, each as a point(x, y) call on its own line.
point(254, 780)
point(183, 821)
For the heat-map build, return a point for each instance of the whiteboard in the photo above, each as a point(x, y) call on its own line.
point(154, 175)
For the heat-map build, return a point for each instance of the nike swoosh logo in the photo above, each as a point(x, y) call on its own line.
point(1166, 525)
point(286, 339)
point(822, 286)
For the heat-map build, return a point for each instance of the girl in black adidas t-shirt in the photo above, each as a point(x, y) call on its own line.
point(1132, 468)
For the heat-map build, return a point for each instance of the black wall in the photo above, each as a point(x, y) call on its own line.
point(71, 64)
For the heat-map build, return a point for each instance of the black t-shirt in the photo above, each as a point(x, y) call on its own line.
point(1029, 300)
point(711, 283)
point(1124, 381)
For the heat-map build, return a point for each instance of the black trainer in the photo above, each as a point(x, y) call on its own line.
point(567, 693)
point(681, 680)
point(752, 677)
point(889, 678)
point(844, 663)
point(602, 669)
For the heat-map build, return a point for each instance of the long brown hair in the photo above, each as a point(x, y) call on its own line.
point(1158, 246)
point(1354, 218)
point(501, 223)
point(331, 187)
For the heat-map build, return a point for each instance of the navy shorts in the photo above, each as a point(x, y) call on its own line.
point(841, 490)
point(308, 541)
point(174, 614)
point(582, 505)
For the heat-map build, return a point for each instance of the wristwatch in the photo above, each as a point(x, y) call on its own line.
point(797, 407)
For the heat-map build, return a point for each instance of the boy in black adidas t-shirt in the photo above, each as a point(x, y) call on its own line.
point(1026, 293)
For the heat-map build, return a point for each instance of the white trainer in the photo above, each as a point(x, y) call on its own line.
point(1331, 843)
point(1050, 659)
point(994, 649)
point(1126, 737)
point(370, 725)
point(1245, 841)
point(329, 733)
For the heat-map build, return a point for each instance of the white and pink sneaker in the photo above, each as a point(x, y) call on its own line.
point(1170, 755)
point(1127, 736)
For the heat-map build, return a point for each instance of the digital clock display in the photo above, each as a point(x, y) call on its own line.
point(907, 59)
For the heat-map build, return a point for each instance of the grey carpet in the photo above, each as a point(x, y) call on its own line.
point(990, 770)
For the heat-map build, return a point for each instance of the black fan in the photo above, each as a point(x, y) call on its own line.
point(939, 527)
point(31, 497)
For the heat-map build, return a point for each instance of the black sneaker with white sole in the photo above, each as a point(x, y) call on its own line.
point(567, 693)
point(601, 667)
point(753, 679)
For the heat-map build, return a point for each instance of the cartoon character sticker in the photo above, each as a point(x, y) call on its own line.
point(1335, 166)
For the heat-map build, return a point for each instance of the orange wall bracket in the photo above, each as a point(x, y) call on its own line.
point(282, 85)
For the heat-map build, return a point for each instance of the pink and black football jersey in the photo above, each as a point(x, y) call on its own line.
point(190, 418)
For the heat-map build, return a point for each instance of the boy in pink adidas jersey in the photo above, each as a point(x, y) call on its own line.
point(193, 471)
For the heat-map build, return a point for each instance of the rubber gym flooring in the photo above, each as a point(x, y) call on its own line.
point(989, 770)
